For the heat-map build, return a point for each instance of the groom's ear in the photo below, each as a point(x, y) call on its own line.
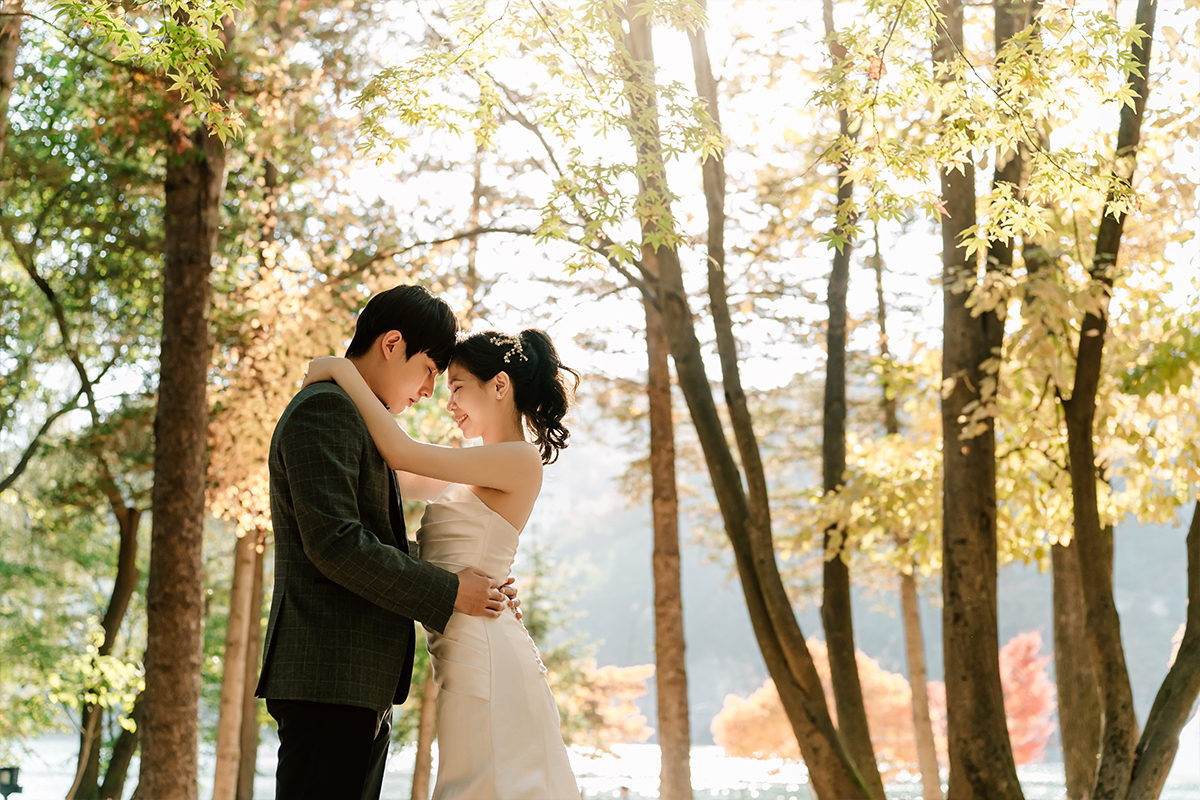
point(392, 344)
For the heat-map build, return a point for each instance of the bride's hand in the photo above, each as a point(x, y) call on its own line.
point(325, 369)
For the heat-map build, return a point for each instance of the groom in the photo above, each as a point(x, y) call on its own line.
point(339, 646)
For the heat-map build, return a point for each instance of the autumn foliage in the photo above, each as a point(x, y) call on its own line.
point(598, 705)
point(1028, 696)
point(756, 727)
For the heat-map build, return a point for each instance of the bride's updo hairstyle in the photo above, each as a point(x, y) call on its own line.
point(542, 391)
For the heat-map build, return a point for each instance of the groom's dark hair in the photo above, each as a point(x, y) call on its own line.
point(426, 322)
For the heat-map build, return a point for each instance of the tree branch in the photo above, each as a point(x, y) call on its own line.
point(31, 448)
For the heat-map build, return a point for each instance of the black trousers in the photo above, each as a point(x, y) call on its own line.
point(330, 752)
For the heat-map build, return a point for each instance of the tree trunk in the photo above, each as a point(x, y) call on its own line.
point(233, 678)
point(1173, 703)
point(914, 641)
point(426, 728)
point(123, 751)
point(747, 518)
point(87, 771)
point(914, 649)
point(674, 736)
point(1119, 738)
point(250, 728)
point(10, 42)
point(837, 617)
point(471, 283)
point(195, 180)
point(1079, 708)
point(981, 759)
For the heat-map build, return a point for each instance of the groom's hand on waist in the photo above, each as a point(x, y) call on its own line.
point(478, 595)
point(509, 587)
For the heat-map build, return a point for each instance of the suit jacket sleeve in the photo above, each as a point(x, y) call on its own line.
point(323, 447)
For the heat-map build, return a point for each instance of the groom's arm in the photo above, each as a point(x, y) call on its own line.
point(322, 447)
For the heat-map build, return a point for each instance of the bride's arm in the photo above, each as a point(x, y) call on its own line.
point(418, 487)
point(506, 467)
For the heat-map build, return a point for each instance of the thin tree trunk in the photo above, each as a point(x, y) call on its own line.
point(233, 678)
point(123, 751)
point(247, 764)
point(891, 422)
point(674, 736)
point(747, 518)
point(13, 12)
point(471, 280)
point(914, 641)
point(1080, 703)
point(87, 772)
point(1173, 703)
point(914, 649)
point(1079, 700)
point(248, 749)
point(1120, 735)
point(836, 611)
point(981, 759)
point(195, 180)
point(88, 768)
point(426, 728)
point(837, 616)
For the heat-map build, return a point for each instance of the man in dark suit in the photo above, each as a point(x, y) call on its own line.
point(339, 647)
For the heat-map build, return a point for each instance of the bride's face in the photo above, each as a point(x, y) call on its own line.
point(473, 403)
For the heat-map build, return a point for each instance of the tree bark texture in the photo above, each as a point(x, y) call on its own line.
point(746, 517)
point(1173, 703)
point(13, 14)
point(195, 179)
point(426, 727)
point(250, 728)
point(233, 677)
point(981, 759)
point(1079, 706)
point(674, 735)
point(1120, 735)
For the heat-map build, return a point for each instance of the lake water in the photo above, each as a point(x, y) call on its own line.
point(47, 772)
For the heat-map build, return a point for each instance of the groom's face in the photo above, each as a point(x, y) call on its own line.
point(405, 380)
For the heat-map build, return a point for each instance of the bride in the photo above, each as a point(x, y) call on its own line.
point(498, 725)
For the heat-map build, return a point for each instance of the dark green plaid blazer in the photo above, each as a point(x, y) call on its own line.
point(346, 589)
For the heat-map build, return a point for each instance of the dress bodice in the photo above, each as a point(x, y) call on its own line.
point(458, 530)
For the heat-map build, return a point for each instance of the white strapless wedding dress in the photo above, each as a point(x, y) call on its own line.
point(498, 726)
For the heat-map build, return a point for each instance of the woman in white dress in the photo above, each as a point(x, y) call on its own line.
point(498, 725)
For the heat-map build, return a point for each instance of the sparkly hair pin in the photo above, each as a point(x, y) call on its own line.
point(515, 349)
